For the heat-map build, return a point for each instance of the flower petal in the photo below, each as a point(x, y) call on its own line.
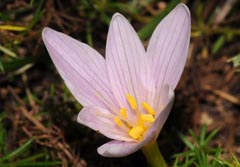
point(168, 97)
point(119, 148)
point(116, 148)
point(127, 66)
point(167, 49)
point(102, 120)
point(82, 68)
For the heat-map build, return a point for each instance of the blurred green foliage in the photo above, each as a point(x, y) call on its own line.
point(199, 153)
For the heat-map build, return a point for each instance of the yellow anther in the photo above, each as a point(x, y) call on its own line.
point(140, 121)
point(136, 132)
point(123, 112)
point(147, 118)
point(148, 108)
point(132, 101)
point(118, 121)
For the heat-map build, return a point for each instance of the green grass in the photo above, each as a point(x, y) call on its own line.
point(199, 153)
point(21, 156)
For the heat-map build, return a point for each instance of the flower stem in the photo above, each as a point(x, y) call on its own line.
point(153, 155)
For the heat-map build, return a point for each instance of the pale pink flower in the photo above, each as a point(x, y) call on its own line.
point(128, 95)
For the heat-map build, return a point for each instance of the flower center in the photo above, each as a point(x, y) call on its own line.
point(136, 130)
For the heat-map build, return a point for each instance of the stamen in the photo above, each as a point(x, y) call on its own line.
point(148, 108)
point(132, 101)
point(123, 112)
point(136, 132)
point(140, 121)
point(118, 121)
point(147, 118)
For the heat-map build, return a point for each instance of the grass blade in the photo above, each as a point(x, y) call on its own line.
point(12, 28)
point(18, 151)
point(7, 52)
point(146, 31)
